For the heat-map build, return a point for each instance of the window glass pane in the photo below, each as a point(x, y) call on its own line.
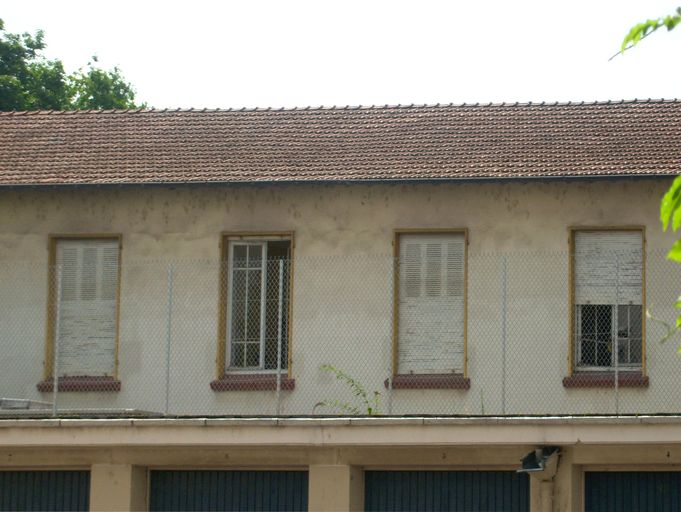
point(595, 334)
point(603, 335)
point(635, 345)
point(253, 305)
point(635, 321)
point(276, 252)
point(237, 354)
point(247, 318)
point(254, 256)
point(588, 317)
point(630, 333)
point(623, 321)
point(253, 355)
point(238, 305)
point(240, 255)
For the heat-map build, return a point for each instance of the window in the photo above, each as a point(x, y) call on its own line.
point(431, 303)
point(257, 312)
point(85, 306)
point(608, 299)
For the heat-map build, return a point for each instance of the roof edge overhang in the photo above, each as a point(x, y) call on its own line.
point(327, 182)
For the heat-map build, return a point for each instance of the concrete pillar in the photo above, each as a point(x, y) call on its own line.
point(117, 487)
point(568, 492)
point(336, 488)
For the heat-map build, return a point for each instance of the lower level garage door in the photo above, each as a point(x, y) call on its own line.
point(228, 490)
point(446, 490)
point(44, 490)
point(625, 491)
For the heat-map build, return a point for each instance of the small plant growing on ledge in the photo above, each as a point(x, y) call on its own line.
point(368, 406)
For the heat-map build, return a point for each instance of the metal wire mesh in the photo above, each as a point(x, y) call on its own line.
point(261, 335)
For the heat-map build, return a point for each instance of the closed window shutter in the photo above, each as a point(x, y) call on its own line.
point(87, 307)
point(431, 303)
point(608, 267)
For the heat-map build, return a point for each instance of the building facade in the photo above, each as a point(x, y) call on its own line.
point(225, 300)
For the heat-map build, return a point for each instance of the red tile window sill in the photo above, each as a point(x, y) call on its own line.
point(252, 382)
point(82, 384)
point(430, 381)
point(606, 380)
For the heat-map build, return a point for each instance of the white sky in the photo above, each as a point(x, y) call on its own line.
point(321, 52)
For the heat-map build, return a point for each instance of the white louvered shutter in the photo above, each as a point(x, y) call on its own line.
point(608, 267)
point(87, 307)
point(431, 303)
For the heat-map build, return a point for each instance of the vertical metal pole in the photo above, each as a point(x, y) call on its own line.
point(55, 354)
point(279, 326)
point(504, 271)
point(390, 391)
point(615, 340)
point(169, 321)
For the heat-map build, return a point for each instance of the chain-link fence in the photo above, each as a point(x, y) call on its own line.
point(262, 335)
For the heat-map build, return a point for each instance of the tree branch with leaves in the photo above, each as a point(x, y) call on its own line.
point(30, 81)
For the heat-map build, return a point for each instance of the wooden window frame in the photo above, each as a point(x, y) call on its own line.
point(85, 383)
point(243, 381)
point(628, 377)
point(427, 381)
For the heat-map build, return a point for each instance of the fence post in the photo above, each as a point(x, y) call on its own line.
point(55, 352)
point(169, 325)
point(615, 341)
point(390, 392)
point(504, 284)
point(279, 326)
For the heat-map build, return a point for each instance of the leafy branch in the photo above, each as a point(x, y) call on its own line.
point(670, 216)
point(642, 30)
point(369, 405)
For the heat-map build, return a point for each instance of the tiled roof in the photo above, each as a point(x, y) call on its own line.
point(433, 142)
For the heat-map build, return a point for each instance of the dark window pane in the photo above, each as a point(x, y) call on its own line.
point(278, 249)
point(253, 355)
point(237, 354)
point(254, 256)
point(636, 345)
point(588, 316)
point(596, 334)
point(253, 305)
point(240, 255)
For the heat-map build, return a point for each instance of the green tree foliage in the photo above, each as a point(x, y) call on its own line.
point(29, 81)
point(670, 216)
point(643, 30)
point(670, 207)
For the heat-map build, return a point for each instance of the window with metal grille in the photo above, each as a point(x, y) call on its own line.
point(608, 299)
point(258, 303)
point(431, 303)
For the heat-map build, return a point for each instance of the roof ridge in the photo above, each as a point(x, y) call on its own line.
point(340, 108)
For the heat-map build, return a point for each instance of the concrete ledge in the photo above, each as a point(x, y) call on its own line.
point(338, 432)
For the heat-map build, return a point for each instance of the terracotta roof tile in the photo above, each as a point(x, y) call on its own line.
point(341, 144)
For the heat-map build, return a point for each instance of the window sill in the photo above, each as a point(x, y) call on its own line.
point(81, 384)
point(430, 381)
point(252, 382)
point(626, 379)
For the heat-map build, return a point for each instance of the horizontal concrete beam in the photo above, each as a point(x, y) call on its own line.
point(339, 432)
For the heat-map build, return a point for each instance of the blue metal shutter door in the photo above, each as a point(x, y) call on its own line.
point(426, 491)
point(629, 491)
point(228, 490)
point(44, 490)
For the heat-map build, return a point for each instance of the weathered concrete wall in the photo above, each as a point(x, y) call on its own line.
point(342, 300)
